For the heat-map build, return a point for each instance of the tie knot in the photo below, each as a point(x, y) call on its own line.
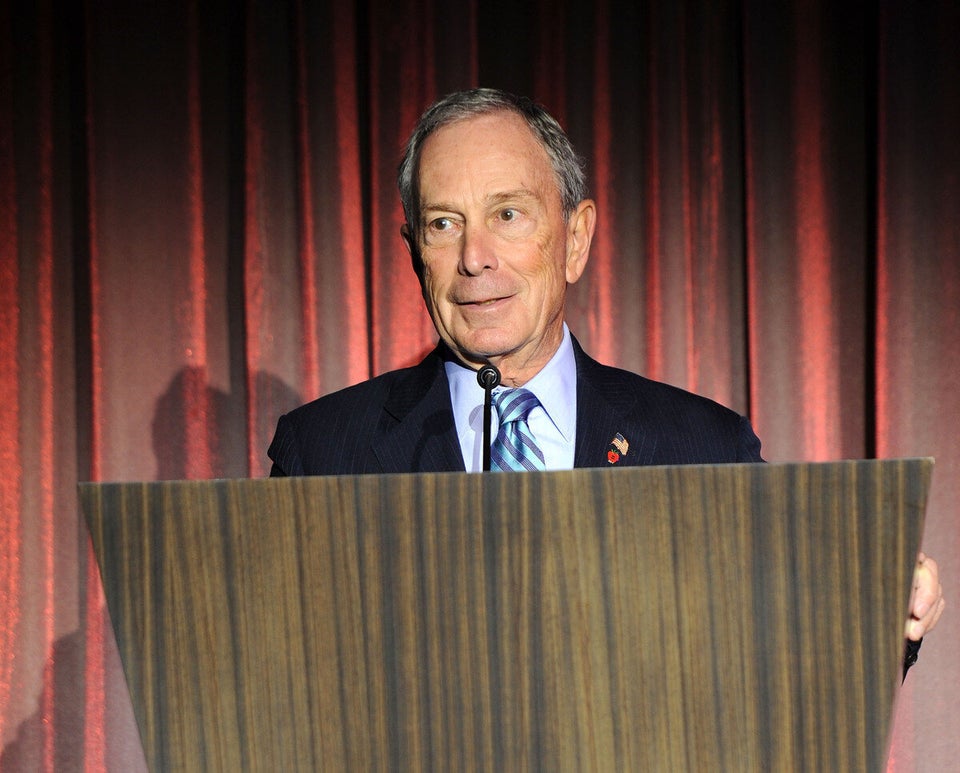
point(515, 404)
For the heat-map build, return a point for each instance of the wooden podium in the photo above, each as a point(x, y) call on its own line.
point(733, 617)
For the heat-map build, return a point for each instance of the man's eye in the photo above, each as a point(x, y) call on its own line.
point(508, 215)
point(440, 224)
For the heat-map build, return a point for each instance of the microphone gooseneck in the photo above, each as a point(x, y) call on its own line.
point(488, 377)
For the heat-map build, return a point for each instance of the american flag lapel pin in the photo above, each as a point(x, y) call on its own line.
point(618, 448)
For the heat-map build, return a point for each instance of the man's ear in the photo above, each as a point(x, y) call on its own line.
point(580, 227)
point(406, 233)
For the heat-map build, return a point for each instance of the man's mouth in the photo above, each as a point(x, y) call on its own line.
point(482, 301)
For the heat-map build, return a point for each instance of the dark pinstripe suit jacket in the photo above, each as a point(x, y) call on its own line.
point(402, 421)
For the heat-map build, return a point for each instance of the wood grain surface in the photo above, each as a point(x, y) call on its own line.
point(739, 617)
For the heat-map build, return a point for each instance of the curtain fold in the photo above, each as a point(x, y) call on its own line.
point(199, 230)
point(808, 193)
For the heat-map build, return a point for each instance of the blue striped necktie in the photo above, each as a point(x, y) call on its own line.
point(514, 449)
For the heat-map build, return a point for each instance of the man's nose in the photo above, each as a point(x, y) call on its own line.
point(477, 251)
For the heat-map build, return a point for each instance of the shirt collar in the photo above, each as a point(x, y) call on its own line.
point(555, 387)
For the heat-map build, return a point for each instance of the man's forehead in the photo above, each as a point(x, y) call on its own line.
point(486, 147)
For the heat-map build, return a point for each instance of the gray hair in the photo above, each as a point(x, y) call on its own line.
point(567, 166)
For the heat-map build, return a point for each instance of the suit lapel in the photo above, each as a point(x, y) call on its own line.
point(417, 432)
point(606, 407)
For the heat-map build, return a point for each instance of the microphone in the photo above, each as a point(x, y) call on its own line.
point(487, 377)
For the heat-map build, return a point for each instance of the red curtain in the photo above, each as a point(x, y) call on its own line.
point(199, 229)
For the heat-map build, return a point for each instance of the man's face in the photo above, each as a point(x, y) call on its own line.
point(496, 250)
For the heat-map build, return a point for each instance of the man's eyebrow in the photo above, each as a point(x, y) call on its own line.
point(438, 206)
point(521, 194)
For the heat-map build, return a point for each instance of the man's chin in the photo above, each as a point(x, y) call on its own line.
point(481, 350)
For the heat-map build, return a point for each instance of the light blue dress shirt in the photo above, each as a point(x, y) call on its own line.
point(553, 423)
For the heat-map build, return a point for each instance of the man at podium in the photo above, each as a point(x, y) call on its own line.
point(498, 224)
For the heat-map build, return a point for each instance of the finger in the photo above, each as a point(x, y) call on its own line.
point(917, 629)
point(933, 614)
point(938, 610)
point(926, 587)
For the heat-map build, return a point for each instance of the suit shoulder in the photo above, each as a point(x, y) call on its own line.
point(372, 390)
point(376, 391)
point(678, 426)
point(663, 394)
point(334, 434)
point(644, 393)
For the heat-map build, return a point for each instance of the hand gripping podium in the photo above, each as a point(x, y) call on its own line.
point(732, 617)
